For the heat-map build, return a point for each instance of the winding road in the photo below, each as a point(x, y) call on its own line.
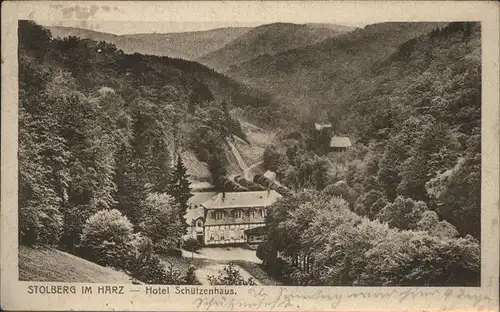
point(241, 163)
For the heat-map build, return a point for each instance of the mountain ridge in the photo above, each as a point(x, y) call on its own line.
point(186, 45)
point(269, 39)
point(317, 73)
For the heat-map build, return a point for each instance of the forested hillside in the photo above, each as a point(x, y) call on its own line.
point(186, 45)
point(403, 205)
point(307, 77)
point(269, 40)
point(99, 135)
point(100, 132)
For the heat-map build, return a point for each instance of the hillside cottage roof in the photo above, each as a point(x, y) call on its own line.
point(242, 199)
point(199, 198)
point(340, 141)
point(194, 214)
point(320, 127)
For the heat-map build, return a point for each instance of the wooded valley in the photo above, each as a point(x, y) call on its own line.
point(101, 134)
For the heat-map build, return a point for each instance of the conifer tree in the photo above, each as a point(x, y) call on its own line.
point(179, 188)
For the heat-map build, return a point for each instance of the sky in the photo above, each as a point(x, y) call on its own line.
point(164, 17)
point(138, 27)
point(127, 17)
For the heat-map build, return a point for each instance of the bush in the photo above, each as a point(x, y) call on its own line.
point(144, 264)
point(230, 276)
point(107, 238)
point(191, 244)
point(341, 189)
point(190, 278)
point(39, 225)
point(266, 253)
point(404, 213)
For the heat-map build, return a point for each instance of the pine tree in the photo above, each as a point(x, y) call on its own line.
point(179, 188)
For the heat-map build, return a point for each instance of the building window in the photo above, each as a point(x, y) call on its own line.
point(199, 223)
point(219, 215)
point(238, 214)
point(251, 238)
point(263, 213)
point(252, 213)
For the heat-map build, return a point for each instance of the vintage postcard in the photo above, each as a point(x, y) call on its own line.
point(250, 156)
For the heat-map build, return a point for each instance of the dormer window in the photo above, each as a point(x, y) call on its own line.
point(219, 215)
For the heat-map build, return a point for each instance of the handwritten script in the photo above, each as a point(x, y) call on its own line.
point(295, 298)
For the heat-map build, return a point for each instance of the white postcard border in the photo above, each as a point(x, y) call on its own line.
point(14, 293)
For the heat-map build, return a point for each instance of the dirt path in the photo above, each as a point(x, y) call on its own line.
point(248, 174)
point(216, 269)
point(223, 254)
point(236, 153)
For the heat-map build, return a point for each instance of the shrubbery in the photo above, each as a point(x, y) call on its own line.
point(323, 242)
point(144, 265)
point(107, 239)
point(162, 223)
point(191, 244)
point(230, 276)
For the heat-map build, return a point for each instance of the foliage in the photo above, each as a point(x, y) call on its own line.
point(403, 213)
point(144, 265)
point(250, 185)
point(179, 188)
point(370, 204)
point(323, 242)
point(342, 190)
point(106, 238)
point(191, 278)
point(230, 276)
point(162, 222)
point(461, 199)
point(191, 244)
point(98, 129)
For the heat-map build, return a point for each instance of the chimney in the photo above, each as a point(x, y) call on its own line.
point(223, 195)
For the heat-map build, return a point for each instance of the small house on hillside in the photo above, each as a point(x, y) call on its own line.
point(339, 143)
point(322, 126)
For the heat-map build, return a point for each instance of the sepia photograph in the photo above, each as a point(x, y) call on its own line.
point(271, 153)
point(294, 154)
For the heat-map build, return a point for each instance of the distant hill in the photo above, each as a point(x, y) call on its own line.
point(269, 40)
point(52, 265)
point(316, 74)
point(186, 45)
